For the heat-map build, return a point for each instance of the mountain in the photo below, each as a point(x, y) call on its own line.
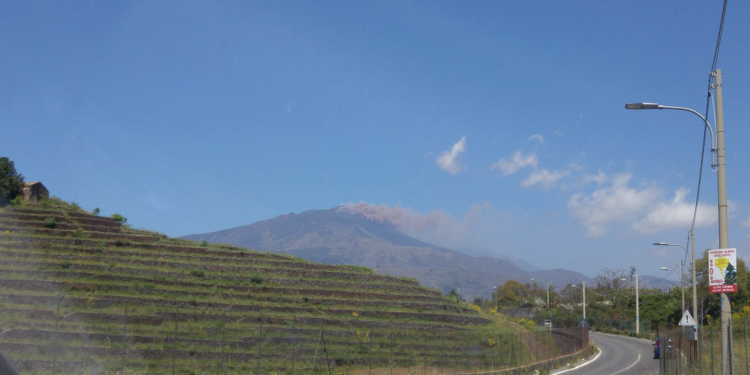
point(336, 236)
point(661, 283)
point(482, 252)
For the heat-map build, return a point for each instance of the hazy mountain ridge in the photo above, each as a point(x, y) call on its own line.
point(336, 236)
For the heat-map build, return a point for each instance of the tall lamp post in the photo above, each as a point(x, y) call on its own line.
point(682, 278)
point(720, 158)
point(583, 287)
point(637, 306)
point(682, 283)
point(548, 307)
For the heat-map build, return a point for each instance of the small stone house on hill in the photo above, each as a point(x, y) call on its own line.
point(33, 191)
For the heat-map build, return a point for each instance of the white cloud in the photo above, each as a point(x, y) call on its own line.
point(599, 178)
point(516, 163)
point(676, 213)
point(545, 178)
point(448, 160)
point(537, 137)
point(615, 203)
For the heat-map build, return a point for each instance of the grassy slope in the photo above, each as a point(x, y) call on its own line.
point(91, 293)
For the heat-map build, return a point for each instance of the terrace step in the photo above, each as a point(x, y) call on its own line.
point(295, 286)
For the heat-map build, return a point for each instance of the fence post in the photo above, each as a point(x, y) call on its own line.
point(711, 338)
point(455, 360)
point(124, 337)
point(174, 341)
point(493, 353)
point(424, 354)
point(408, 358)
point(57, 326)
point(294, 339)
point(369, 351)
point(744, 334)
point(348, 337)
point(390, 361)
point(223, 337)
point(260, 340)
point(468, 350)
point(325, 350)
point(442, 346)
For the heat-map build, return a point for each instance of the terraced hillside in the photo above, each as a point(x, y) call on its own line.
point(85, 294)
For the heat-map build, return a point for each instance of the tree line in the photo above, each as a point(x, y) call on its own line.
point(612, 297)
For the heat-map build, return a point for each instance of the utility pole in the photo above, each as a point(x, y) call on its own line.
point(695, 298)
point(682, 283)
point(548, 309)
point(584, 301)
point(726, 307)
point(637, 308)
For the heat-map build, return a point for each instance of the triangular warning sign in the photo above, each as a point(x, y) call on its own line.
point(687, 319)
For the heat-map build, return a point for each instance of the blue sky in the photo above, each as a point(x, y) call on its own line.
point(494, 125)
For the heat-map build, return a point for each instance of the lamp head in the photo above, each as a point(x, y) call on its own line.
point(660, 244)
point(665, 269)
point(642, 106)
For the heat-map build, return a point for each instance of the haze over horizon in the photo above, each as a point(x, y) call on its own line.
point(494, 126)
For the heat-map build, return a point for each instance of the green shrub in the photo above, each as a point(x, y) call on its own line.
point(79, 232)
point(359, 268)
point(120, 218)
point(204, 243)
point(96, 211)
point(65, 265)
point(197, 273)
point(50, 223)
point(256, 279)
point(17, 201)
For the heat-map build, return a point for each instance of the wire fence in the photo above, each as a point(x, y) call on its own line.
point(66, 336)
point(682, 355)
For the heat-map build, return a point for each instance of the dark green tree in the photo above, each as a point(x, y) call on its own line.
point(730, 275)
point(11, 182)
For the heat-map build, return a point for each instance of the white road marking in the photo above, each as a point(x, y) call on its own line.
point(576, 368)
point(625, 369)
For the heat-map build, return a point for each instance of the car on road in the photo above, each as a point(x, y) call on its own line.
point(657, 348)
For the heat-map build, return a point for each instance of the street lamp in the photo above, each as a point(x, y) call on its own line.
point(682, 279)
point(637, 305)
point(682, 284)
point(659, 106)
point(548, 307)
point(717, 144)
point(583, 287)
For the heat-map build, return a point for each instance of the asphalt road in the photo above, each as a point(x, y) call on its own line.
point(619, 355)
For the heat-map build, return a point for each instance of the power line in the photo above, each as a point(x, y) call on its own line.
point(708, 101)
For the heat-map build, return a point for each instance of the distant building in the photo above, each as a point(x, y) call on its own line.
point(33, 191)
